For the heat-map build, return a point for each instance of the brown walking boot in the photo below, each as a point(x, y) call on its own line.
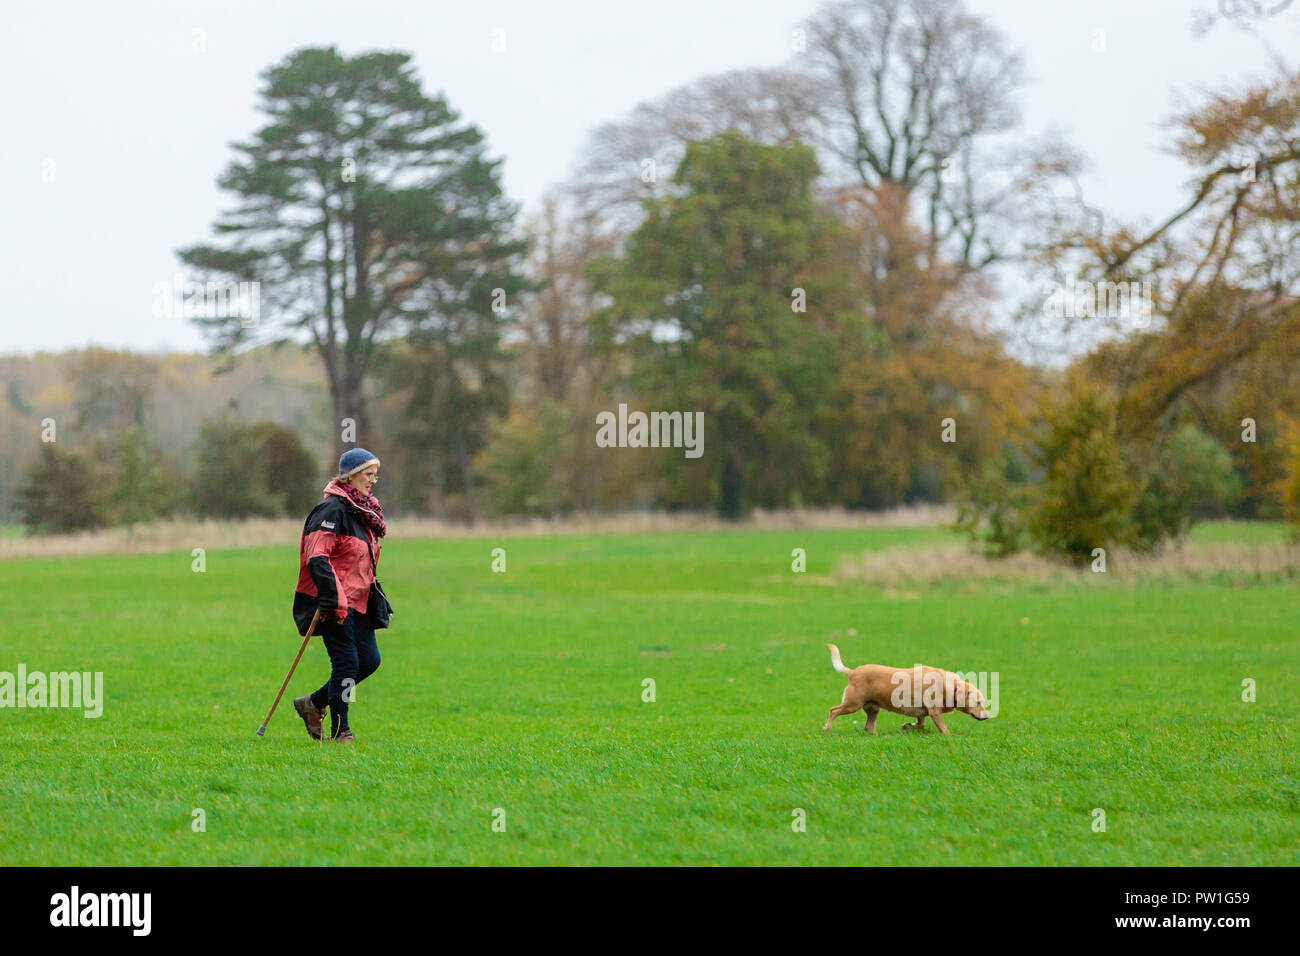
point(344, 737)
point(310, 715)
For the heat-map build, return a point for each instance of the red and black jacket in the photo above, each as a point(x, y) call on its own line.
point(335, 568)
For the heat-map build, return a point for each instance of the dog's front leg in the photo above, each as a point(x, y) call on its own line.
point(937, 717)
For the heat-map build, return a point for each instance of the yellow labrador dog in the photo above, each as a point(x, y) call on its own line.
point(917, 692)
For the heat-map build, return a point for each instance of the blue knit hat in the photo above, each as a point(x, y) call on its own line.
point(353, 460)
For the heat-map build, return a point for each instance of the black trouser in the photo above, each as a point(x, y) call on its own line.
point(354, 656)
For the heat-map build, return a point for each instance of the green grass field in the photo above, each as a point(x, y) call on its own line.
point(523, 691)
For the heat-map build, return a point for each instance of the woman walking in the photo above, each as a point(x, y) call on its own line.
point(336, 574)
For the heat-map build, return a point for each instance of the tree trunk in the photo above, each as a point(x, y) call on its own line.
point(347, 401)
point(467, 473)
point(731, 490)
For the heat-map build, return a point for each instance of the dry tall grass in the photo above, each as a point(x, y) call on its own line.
point(932, 564)
point(261, 532)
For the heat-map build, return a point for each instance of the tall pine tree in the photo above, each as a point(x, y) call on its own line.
point(365, 210)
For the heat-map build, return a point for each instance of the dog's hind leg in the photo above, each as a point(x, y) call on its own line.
point(845, 706)
point(830, 718)
point(919, 725)
point(870, 726)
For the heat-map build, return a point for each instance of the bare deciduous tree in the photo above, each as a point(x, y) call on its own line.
point(916, 94)
point(554, 319)
point(921, 97)
point(634, 158)
point(1243, 14)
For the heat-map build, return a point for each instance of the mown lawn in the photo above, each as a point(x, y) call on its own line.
point(522, 691)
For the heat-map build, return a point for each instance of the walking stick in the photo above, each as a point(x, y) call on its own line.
point(261, 731)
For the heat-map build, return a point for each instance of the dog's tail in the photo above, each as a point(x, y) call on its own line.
point(835, 659)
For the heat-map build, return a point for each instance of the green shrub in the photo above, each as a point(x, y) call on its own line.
point(1157, 515)
point(1091, 491)
point(64, 491)
point(293, 477)
point(247, 470)
point(1289, 485)
point(1086, 492)
point(990, 506)
point(146, 483)
point(1192, 478)
point(1201, 471)
point(522, 465)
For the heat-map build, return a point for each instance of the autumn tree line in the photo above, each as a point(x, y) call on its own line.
point(815, 256)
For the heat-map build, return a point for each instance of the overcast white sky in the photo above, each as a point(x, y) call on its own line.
point(137, 121)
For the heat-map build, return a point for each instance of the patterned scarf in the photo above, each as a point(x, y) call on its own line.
point(368, 505)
